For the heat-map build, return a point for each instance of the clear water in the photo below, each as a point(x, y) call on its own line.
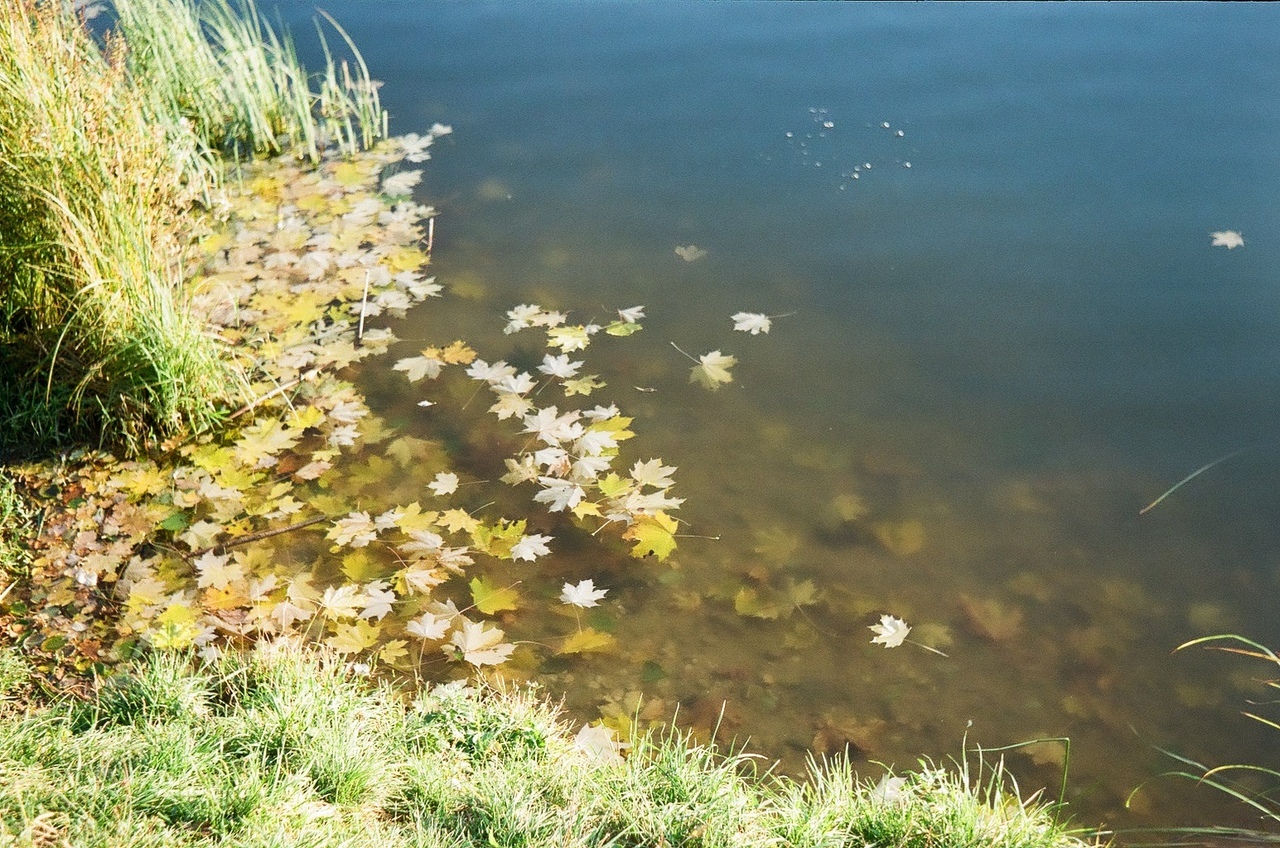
point(1001, 352)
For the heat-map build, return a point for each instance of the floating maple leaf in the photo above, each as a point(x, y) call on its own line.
point(428, 627)
point(890, 632)
point(712, 370)
point(653, 473)
point(478, 645)
point(531, 547)
point(584, 595)
point(445, 483)
point(401, 184)
point(690, 252)
point(1230, 239)
point(751, 322)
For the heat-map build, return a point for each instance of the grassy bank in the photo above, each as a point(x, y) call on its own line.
point(104, 155)
point(289, 749)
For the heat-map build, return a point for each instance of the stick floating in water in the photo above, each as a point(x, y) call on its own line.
point(1194, 474)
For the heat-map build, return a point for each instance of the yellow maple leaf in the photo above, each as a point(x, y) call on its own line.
point(584, 508)
point(232, 597)
point(406, 259)
point(497, 539)
point(586, 640)
point(360, 567)
point(394, 652)
point(617, 426)
point(457, 521)
point(653, 534)
point(411, 518)
point(175, 628)
point(457, 353)
point(568, 338)
point(490, 598)
point(353, 638)
point(351, 174)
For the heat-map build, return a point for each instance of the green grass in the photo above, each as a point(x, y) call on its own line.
point(94, 341)
point(104, 156)
point(290, 749)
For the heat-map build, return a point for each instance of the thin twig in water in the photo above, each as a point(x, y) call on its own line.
point(431, 232)
point(1194, 474)
point(363, 300)
point(256, 537)
point(283, 387)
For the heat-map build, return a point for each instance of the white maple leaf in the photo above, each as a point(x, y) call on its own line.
point(356, 530)
point(594, 443)
point(890, 632)
point(584, 595)
point(559, 366)
point(598, 743)
point(428, 627)
point(602, 413)
point(217, 571)
point(515, 384)
point(486, 373)
point(287, 612)
point(559, 494)
point(530, 547)
point(586, 468)
point(712, 370)
point(417, 367)
point(631, 314)
point(401, 184)
point(690, 252)
point(415, 146)
point(552, 427)
point(751, 322)
point(424, 542)
point(636, 503)
point(438, 129)
point(521, 317)
point(378, 600)
point(342, 601)
point(653, 473)
point(445, 483)
point(479, 646)
point(554, 460)
point(1230, 239)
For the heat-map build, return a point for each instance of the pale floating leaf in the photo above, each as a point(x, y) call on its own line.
point(1230, 239)
point(584, 594)
point(690, 252)
point(712, 370)
point(890, 632)
point(751, 322)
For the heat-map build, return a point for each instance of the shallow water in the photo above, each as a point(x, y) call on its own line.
point(997, 357)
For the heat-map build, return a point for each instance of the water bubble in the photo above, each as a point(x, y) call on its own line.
point(855, 176)
point(885, 125)
point(906, 164)
point(790, 133)
point(866, 166)
point(829, 124)
point(900, 133)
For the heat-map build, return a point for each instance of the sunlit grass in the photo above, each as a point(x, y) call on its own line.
point(94, 341)
point(104, 153)
point(290, 749)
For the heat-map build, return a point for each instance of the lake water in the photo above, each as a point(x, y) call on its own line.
point(1010, 333)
